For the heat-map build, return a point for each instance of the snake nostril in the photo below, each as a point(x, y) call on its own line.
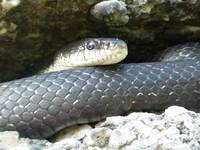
point(120, 43)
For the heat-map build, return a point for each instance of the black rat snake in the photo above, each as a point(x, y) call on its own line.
point(43, 104)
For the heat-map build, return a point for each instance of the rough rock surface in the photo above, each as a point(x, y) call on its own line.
point(31, 31)
point(176, 128)
point(112, 12)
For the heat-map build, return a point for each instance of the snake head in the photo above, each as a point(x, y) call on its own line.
point(105, 51)
point(93, 52)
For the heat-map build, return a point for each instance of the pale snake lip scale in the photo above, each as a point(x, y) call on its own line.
point(41, 105)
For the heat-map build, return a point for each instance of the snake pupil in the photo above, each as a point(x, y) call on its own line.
point(91, 45)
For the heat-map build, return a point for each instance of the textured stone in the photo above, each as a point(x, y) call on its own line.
point(11, 141)
point(111, 12)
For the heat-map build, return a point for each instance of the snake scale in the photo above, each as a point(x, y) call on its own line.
point(43, 104)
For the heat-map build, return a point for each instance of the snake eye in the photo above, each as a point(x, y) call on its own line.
point(91, 45)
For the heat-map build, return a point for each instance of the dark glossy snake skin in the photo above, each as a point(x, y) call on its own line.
point(41, 105)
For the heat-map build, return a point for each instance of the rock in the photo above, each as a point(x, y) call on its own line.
point(98, 137)
point(69, 144)
point(176, 128)
point(111, 12)
point(10, 140)
point(8, 5)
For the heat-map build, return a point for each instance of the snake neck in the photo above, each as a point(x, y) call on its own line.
point(59, 64)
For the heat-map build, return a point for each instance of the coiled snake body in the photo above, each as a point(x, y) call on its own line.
point(41, 105)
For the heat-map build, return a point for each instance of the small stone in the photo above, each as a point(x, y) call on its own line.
point(117, 138)
point(10, 140)
point(175, 111)
point(112, 12)
point(98, 137)
point(112, 122)
point(69, 144)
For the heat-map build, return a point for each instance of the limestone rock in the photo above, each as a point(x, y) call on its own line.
point(10, 140)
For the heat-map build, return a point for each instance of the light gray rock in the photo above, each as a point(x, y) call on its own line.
point(112, 12)
point(176, 129)
point(10, 140)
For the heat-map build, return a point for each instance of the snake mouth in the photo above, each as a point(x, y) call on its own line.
point(117, 54)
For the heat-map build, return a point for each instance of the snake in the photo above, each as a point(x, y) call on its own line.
point(43, 104)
